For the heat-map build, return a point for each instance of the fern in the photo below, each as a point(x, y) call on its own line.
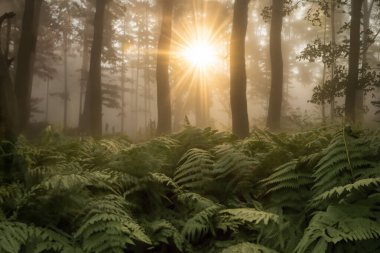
point(234, 168)
point(15, 235)
point(339, 192)
point(353, 222)
point(107, 226)
point(195, 169)
point(342, 160)
point(248, 247)
point(248, 216)
point(162, 231)
point(200, 223)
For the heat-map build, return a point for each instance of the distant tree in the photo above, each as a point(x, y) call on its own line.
point(275, 99)
point(92, 113)
point(25, 60)
point(238, 76)
point(8, 107)
point(353, 61)
point(164, 113)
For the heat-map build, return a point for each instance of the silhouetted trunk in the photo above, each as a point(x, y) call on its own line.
point(238, 76)
point(65, 92)
point(333, 43)
point(92, 114)
point(353, 61)
point(164, 113)
point(367, 9)
point(275, 99)
point(123, 79)
point(8, 112)
point(25, 60)
point(202, 107)
point(84, 67)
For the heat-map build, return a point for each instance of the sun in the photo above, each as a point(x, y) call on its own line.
point(200, 54)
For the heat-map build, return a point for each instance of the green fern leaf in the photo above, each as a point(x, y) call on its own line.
point(246, 247)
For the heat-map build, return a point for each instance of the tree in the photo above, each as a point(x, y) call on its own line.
point(8, 107)
point(238, 76)
point(25, 60)
point(92, 114)
point(353, 61)
point(367, 9)
point(164, 113)
point(275, 99)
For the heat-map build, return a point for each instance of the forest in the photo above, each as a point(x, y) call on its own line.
point(205, 126)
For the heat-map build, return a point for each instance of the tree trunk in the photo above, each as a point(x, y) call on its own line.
point(353, 61)
point(84, 67)
point(8, 107)
point(164, 114)
point(123, 79)
point(65, 85)
point(92, 114)
point(333, 43)
point(275, 99)
point(367, 8)
point(25, 60)
point(238, 76)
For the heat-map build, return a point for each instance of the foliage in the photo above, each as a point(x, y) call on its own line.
point(194, 191)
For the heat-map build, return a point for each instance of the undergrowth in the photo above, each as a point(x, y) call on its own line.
point(194, 191)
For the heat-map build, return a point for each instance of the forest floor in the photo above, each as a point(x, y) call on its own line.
point(198, 190)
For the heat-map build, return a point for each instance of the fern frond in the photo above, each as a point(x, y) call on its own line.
point(200, 223)
point(342, 159)
point(339, 192)
point(246, 247)
point(195, 169)
point(164, 232)
point(234, 166)
point(15, 235)
point(107, 226)
point(340, 223)
point(250, 215)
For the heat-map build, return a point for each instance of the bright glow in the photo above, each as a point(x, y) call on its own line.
point(200, 54)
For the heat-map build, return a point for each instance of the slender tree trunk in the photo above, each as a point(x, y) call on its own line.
point(164, 115)
point(137, 84)
point(360, 93)
point(84, 68)
point(92, 114)
point(47, 99)
point(122, 79)
point(146, 67)
point(25, 60)
point(333, 43)
point(8, 106)
point(275, 99)
point(238, 76)
point(353, 61)
point(8, 38)
point(65, 92)
point(324, 77)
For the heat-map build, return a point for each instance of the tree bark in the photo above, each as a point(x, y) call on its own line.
point(238, 76)
point(8, 106)
point(360, 93)
point(25, 60)
point(353, 61)
point(333, 43)
point(164, 114)
point(65, 76)
point(84, 67)
point(92, 114)
point(275, 99)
